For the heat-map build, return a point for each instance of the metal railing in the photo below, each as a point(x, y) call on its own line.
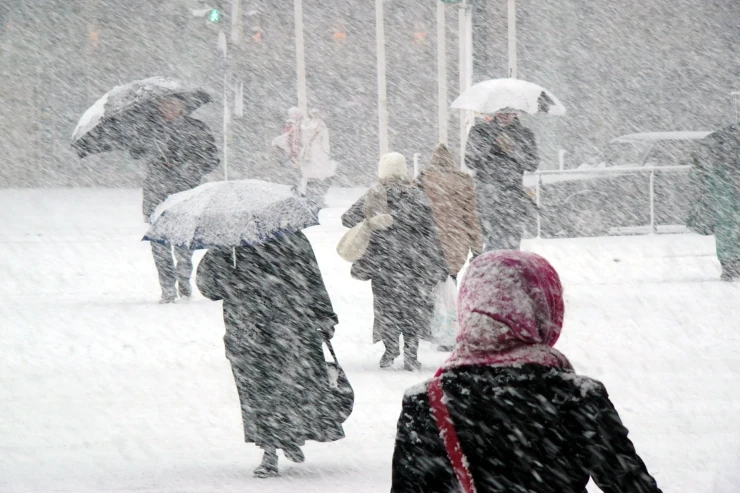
point(594, 172)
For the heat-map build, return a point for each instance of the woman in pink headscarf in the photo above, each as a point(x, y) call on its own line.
point(506, 412)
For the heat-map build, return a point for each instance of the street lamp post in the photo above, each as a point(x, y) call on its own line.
point(382, 92)
point(465, 41)
point(442, 72)
point(512, 39)
point(300, 55)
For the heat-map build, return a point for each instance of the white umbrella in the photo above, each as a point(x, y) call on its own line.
point(494, 95)
point(231, 214)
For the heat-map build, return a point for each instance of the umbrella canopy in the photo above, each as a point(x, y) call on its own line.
point(494, 95)
point(116, 118)
point(231, 214)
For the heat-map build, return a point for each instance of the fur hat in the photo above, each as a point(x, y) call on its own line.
point(392, 165)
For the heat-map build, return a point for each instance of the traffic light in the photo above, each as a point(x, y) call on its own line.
point(214, 15)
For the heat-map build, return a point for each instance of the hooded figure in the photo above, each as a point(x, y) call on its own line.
point(499, 152)
point(513, 414)
point(290, 139)
point(715, 207)
point(404, 262)
point(315, 157)
point(451, 193)
point(276, 311)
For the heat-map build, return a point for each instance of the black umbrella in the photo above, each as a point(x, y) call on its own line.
point(116, 119)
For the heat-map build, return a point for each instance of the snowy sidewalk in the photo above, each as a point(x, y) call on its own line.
point(102, 389)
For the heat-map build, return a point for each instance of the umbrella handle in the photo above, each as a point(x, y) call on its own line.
point(331, 350)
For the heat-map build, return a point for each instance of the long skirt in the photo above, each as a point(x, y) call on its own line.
point(283, 385)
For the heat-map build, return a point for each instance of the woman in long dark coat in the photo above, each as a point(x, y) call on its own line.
point(404, 262)
point(276, 311)
point(507, 413)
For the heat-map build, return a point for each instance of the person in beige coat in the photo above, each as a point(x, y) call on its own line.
point(451, 193)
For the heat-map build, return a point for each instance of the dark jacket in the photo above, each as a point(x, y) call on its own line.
point(500, 155)
point(404, 262)
point(178, 155)
point(274, 304)
point(529, 429)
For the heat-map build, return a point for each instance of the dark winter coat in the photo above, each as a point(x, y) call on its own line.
point(715, 180)
point(404, 262)
point(500, 156)
point(451, 193)
point(178, 155)
point(274, 304)
point(530, 429)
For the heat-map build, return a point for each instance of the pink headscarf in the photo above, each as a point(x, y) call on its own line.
point(511, 311)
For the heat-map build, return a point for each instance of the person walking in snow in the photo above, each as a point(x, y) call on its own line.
point(507, 412)
point(715, 208)
point(499, 152)
point(451, 193)
point(179, 151)
point(404, 262)
point(276, 312)
point(316, 164)
point(290, 139)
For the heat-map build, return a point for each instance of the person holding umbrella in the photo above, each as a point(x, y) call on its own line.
point(500, 150)
point(179, 151)
point(276, 308)
point(149, 118)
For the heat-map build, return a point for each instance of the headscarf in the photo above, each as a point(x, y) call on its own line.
point(511, 310)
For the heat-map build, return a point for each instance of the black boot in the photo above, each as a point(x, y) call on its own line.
point(730, 270)
point(168, 295)
point(185, 290)
point(294, 453)
point(410, 350)
point(269, 466)
point(391, 352)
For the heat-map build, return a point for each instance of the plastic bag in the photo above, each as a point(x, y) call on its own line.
point(444, 322)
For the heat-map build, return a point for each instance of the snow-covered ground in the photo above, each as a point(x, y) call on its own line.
point(103, 389)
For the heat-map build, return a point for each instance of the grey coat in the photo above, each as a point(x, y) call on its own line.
point(178, 155)
point(404, 262)
point(275, 309)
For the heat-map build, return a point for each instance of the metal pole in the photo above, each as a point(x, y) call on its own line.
point(512, 39)
point(465, 33)
point(442, 73)
point(300, 55)
point(538, 194)
point(382, 92)
point(652, 202)
point(223, 47)
point(236, 22)
point(226, 126)
point(463, 45)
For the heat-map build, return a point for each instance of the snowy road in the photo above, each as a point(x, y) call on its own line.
point(103, 389)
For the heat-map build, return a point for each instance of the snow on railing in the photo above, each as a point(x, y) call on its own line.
point(605, 171)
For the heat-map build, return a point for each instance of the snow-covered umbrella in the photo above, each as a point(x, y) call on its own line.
point(116, 118)
point(494, 95)
point(231, 214)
